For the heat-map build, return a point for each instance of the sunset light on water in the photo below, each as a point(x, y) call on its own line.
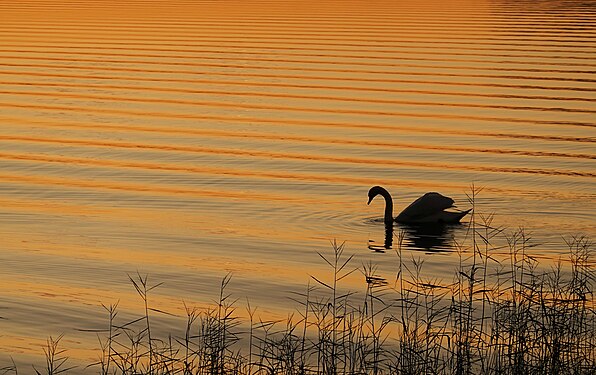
point(188, 140)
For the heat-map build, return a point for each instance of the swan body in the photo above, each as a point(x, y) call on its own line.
point(429, 208)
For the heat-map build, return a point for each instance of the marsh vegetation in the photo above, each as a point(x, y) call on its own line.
point(500, 311)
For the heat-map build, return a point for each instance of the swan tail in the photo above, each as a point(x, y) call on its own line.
point(459, 215)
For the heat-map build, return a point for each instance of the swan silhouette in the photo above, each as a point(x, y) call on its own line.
point(429, 208)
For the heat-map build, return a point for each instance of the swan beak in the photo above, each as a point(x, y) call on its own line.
point(369, 200)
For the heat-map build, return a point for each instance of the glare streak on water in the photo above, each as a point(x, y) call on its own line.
point(194, 138)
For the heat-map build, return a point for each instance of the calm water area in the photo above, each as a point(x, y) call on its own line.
point(187, 140)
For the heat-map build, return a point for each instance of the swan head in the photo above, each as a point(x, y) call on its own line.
point(373, 192)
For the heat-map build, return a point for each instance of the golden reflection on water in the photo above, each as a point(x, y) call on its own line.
point(190, 139)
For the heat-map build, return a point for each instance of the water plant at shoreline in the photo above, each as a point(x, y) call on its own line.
point(500, 313)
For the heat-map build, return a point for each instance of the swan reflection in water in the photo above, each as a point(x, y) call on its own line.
point(426, 237)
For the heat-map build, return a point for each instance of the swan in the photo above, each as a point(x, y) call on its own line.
point(429, 208)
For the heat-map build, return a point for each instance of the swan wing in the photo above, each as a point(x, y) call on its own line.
point(427, 205)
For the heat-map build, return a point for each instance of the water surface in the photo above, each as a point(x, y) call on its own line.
point(189, 139)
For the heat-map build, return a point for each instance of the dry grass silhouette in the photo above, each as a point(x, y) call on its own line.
point(499, 314)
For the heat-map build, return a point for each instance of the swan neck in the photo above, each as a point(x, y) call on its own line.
point(388, 206)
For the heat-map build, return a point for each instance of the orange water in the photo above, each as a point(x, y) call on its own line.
point(188, 139)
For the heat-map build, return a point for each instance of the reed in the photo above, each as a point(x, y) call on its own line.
point(55, 358)
point(501, 313)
